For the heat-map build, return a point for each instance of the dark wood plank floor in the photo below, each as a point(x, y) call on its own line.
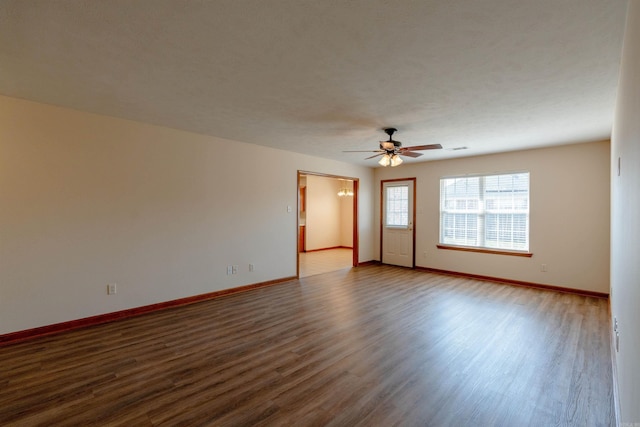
point(371, 346)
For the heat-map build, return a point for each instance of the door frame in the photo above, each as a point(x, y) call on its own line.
point(413, 232)
point(356, 187)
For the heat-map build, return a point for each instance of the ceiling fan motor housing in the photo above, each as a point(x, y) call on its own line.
point(390, 146)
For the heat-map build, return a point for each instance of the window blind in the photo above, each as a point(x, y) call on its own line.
point(485, 211)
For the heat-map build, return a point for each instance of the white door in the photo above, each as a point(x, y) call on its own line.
point(397, 222)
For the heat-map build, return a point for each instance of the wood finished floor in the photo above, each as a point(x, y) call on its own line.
point(318, 262)
point(370, 346)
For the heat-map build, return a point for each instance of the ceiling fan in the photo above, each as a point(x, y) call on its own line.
point(392, 150)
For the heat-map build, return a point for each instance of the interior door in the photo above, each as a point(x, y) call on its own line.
point(398, 216)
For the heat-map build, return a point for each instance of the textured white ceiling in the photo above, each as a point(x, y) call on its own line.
point(323, 76)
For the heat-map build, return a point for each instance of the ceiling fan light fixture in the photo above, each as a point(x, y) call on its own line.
point(385, 160)
point(395, 160)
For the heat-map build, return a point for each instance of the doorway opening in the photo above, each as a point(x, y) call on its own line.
point(327, 223)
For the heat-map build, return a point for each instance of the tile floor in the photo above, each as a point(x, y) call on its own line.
point(312, 263)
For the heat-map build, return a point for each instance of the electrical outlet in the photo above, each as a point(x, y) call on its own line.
point(112, 289)
point(615, 324)
point(424, 254)
point(234, 269)
point(229, 269)
point(617, 342)
point(251, 267)
point(543, 267)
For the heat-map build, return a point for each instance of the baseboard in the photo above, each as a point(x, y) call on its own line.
point(14, 337)
point(28, 334)
point(328, 249)
point(516, 282)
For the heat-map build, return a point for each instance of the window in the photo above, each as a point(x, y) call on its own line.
point(486, 211)
point(397, 214)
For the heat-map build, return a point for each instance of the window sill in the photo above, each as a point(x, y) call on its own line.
point(486, 251)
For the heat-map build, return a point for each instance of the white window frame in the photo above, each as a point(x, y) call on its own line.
point(477, 216)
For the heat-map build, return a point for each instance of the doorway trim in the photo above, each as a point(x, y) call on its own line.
point(356, 188)
point(382, 182)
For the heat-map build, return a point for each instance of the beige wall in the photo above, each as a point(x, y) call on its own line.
point(87, 200)
point(569, 217)
point(346, 217)
point(323, 213)
point(625, 222)
point(328, 218)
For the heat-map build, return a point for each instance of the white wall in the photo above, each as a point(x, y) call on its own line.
point(625, 221)
point(569, 215)
point(87, 200)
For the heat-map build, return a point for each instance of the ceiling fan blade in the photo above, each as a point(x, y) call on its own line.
point(410, 154)
point(422, 147)
point(363, 151)
point(375, 155)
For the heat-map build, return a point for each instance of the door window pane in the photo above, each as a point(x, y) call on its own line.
point(397, 209)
